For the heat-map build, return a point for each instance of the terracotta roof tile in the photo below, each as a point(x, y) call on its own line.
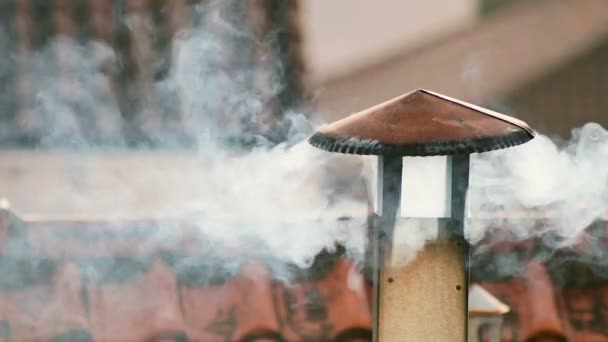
point(136, 310)
point(543, 313)
point(580, 305)
point(313, 309)
point(589, 337)
point(63, 17)
point(242, 306)
point(584, 311)
point(209, 296)
point(255, 309)
point(45, 311)
point(346, 287)
point(99, 12)
point(533, 300)
point(209, 312)
point(177, 15)
point(509, 292)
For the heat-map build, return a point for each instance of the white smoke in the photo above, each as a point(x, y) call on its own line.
point(563, 187)
point(289, 195)
point(537, 189)
point(287, 199)
point(282, 196)
point(71, 96)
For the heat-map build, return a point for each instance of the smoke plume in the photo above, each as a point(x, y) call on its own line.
point(241, 185)
point(564, 187)
point(283, 193)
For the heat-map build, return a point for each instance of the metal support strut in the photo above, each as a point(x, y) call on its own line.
point(458, 168)
point(390, 170)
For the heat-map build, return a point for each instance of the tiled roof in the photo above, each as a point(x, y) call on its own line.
point(90, 288)
point(111, 281)
point(84, 72)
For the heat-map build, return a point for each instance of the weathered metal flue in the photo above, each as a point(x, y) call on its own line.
point(422, 123)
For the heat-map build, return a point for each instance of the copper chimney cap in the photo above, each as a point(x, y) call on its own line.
point(422, 123)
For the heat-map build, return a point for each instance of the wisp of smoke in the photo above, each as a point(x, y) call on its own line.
point(290, 195)
point(564, 187)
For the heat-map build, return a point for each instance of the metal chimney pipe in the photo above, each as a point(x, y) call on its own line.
point(421, 123)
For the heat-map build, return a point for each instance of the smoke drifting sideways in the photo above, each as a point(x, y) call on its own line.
point(542, 188)
point(283, 199)
point(283, 195)
point(547, 202)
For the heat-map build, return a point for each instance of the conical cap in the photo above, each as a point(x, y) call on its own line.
point(422, 123)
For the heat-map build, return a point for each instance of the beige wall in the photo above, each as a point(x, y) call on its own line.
point(343, 35)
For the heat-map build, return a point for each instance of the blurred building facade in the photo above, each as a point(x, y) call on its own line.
point(513, 58)
point(112, 74)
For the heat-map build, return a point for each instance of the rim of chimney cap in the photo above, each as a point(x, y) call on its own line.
point(422, 123)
